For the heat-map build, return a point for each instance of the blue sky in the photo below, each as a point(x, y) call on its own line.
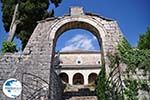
point(77, 39)
point(133, 17)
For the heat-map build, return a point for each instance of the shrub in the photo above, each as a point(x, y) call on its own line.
point(9, 47)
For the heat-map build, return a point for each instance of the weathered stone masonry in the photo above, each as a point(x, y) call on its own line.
point(36, 61)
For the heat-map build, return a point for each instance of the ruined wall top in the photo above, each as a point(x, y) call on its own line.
point(75, 11)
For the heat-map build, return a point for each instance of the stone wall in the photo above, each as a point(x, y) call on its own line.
point(57, 87)
point(9, 65)
point(22, 67)
point(141, 77)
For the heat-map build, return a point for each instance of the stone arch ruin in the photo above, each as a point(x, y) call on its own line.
point(47, 32)
point(38, 56)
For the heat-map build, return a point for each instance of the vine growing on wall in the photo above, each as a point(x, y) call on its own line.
point(134, 59)
point(131, 90)
point(110, 87)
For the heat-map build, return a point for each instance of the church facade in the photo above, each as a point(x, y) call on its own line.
point(79, 67)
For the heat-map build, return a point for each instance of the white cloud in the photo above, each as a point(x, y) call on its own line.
point(94, 38)
point(79, 42)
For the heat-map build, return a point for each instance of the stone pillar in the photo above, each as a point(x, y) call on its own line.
point(70, 79)
point(85, 79)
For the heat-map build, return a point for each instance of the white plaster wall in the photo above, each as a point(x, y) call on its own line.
point(85, 58)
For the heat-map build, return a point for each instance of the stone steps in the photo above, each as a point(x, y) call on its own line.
point(84, 98)
point(79, 93)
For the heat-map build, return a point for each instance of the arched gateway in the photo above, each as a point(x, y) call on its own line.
point(47, 32)
point(38, 55)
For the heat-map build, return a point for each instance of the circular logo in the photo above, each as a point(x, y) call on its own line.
point(12, 88)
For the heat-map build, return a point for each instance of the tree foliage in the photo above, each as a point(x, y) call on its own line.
point(101, 84)
point(29, 12)
point(9, 47)
point(131, 90)
point(144, 40)
point(134, 58)
point(107, 88)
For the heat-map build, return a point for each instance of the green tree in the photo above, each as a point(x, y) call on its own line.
point(144, 40)
point(134, 57)
point(9, 47)
point(101, 84)
point(28, 13)
point(131, 90)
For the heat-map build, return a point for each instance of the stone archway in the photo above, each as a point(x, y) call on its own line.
point(78, 79)
point(44, 37)
point(107, 40)
point(92, 78)
point(64, 77)
point(39, 51)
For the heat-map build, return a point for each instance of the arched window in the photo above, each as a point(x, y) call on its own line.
point(64, 77)
point(78, 79)
point(92, 78)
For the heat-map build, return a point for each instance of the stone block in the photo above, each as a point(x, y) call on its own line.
point(76, 11)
